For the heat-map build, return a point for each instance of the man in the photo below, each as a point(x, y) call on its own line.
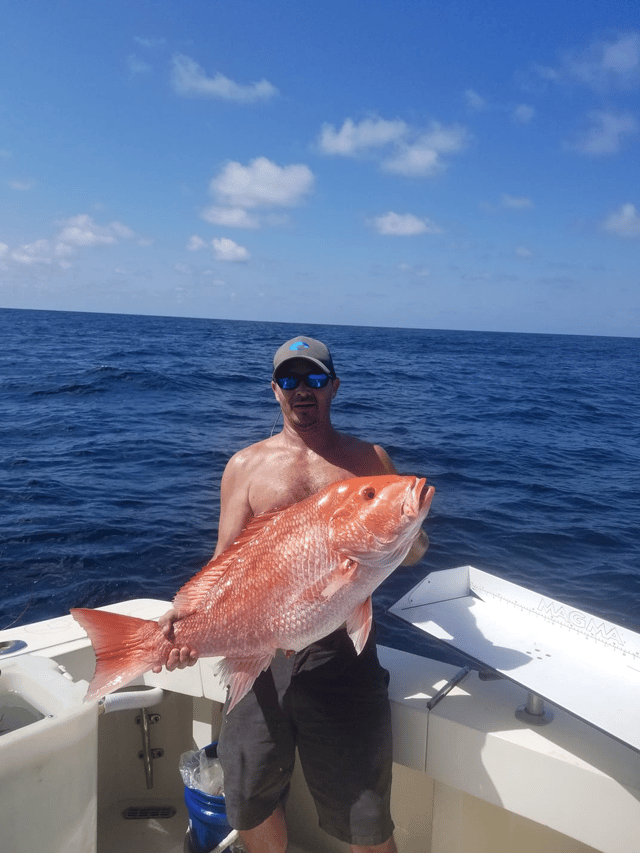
point(326, 700)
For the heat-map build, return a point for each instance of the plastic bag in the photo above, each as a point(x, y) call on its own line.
point(202, 771)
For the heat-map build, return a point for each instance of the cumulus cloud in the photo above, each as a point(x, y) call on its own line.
point(624, 222)
point(195, 243)
point(241, 192)
point(604, 65)
point(404, 225)
point(607, 133)
point(78, 232)
point(355, 137)
point(231, 217)
point(424, 157)
point(262, 184)
point(189, 79)
point(225, 249)
point(401, 149)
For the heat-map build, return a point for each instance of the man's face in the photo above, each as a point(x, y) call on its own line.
point(302, 406)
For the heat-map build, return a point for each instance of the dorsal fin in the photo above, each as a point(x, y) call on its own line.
point(190, 596)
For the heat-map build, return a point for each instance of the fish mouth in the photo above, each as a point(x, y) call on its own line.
point(418, 498)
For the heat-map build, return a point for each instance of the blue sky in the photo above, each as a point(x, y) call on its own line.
point(453, 165)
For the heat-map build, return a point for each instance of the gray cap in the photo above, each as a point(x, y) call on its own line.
point(309, 349)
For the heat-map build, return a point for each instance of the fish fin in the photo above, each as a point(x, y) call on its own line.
point(240, 673)
point(339, 577)
point(125, 647)
point(359, 624)
point(190, 596)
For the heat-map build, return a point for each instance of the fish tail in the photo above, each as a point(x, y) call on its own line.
point(124, 646)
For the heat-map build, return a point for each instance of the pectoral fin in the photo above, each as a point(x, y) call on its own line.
point(359, 624)
point(339, 577)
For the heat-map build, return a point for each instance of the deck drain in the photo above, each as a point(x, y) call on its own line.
point(148, 812)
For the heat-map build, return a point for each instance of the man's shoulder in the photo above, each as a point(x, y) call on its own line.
point(367, 457)
point(251, 454)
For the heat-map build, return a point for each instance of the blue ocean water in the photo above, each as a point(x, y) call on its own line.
point(115, 431)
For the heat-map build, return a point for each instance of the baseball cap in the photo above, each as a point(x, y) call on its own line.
point(308, 348)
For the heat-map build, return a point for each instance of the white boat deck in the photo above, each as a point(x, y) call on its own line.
point(469, 777)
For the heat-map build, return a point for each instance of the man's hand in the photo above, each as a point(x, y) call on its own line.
point(178, 658)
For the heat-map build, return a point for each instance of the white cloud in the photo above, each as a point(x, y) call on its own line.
point(78, 232)
point(230, 217)
point(475, 101)
point(262, 184)
point(423, 157)
point(225, 249)
point(196, 243)
point(404, 150)
point(38, 252)
point(523, 113)
point(355, 137)
point(190, 79)
point(83, 231)
point(523, 252)
point(516, 202)
point(404, 225)
point(624, 222)
point(242, 190)
point(605, 64)
point(607, 133)
point(3, 249)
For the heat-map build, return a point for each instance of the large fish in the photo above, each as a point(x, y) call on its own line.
point(292, 577)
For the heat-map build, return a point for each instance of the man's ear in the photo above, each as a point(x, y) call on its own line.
point(336, 385)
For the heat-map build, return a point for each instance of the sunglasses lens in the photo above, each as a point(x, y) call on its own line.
point(311, 380)
point(316, 380)
point(288, 383)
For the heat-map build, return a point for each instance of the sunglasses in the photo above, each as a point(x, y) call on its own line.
point(311, 380)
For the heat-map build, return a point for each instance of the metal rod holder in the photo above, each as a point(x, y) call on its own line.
point(533, 712)
point(147, 754)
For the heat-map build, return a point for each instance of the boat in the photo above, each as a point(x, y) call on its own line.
point(533, 747)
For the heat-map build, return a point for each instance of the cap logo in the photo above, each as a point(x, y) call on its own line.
point(299, 345)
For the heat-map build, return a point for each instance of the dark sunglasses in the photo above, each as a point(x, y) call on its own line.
point(311, 380)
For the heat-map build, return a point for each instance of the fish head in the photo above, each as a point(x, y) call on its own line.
point(378, 515)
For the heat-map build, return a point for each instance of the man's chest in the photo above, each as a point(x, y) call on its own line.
point(274, 487)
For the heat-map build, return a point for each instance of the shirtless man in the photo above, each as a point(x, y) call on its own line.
point(338, 696)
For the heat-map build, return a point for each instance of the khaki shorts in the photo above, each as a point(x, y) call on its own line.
point(333, 706)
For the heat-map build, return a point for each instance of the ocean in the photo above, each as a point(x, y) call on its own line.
point(116, 428)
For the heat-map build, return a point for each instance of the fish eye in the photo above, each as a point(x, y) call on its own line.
point(369, 493)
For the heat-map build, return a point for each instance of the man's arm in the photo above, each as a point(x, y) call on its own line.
point(234, 513)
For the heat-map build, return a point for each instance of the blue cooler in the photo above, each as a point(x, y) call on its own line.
point(207, 815)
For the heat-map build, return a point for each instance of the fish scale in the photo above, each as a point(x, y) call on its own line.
point(291, 578)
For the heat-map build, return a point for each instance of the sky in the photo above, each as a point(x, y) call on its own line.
point(446, 165)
